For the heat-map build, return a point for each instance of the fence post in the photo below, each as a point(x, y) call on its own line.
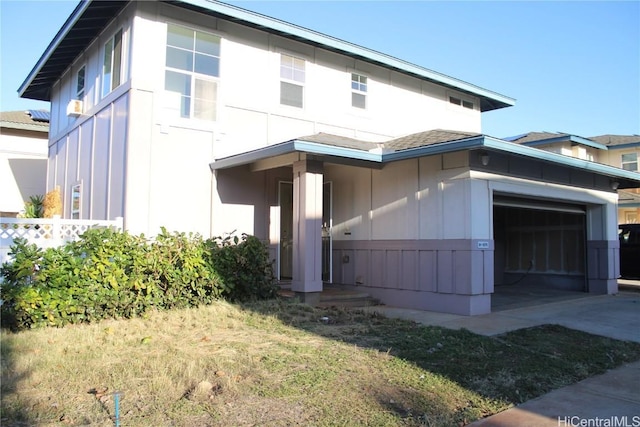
point(56, 231)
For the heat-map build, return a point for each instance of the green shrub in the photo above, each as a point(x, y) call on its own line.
point(115, 274)
point(244, 265)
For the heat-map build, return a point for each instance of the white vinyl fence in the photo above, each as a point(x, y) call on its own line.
point(46, 232)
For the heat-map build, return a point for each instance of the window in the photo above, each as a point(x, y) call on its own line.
point(462, 102)
point(192, 71)
point(630, 162)
point(112, 64)
point(358, 91)
point(76, 201)
point(292, 81)
point(80, 78)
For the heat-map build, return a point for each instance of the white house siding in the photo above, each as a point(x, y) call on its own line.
point(153, 168)
point(23, 159)
point(419, 233)
point(93, 154)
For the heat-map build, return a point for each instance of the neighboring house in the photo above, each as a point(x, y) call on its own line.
point(355, 167)
point(23, 158)
point(622, 151)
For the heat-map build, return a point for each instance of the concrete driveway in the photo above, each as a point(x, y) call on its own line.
point(611, 399)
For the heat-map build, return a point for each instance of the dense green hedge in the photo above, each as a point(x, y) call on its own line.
point(115, 274)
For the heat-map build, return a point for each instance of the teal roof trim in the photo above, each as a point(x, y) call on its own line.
point(477, 142)
point(572, 138)
point(297, 146)
point(624, 146)
point(489, 100)
point(83, 26)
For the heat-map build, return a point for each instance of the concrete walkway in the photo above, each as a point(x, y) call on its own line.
point(611, 399)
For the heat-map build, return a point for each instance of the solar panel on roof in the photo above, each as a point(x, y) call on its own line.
point(39, 115)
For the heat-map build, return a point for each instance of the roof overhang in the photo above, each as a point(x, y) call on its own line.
point(91, 16)
point(350, 156)
point(574, 139)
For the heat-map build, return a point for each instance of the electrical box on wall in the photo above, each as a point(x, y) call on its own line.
point(74, 108)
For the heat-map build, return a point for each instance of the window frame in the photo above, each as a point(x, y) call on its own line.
point(461, 101)
point(624, 162)
point(359, 89)
point(76, 200)
point(114, 48)
point(194, 77)
point(81, 91)
point(292, 81)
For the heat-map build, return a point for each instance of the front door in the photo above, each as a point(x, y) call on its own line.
point(285, 248)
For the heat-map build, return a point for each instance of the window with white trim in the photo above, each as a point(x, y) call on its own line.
point(112, 64)
point(80, 82)
point(192, 72)
point(292, 78)
point(358, 91)
point(629, 162)
point(462, 102)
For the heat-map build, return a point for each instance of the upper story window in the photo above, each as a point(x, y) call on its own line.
point(292, 77)
point(112, 64)
point(462, 102)
point(192, 71)
point(629, 162)
point(358, 91)
point(80, 81)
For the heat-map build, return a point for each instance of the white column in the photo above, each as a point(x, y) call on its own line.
point(307, 226)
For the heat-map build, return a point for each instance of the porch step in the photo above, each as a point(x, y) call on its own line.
point(337, 296)
point(349, 302)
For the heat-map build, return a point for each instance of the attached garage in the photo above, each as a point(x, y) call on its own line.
point(539, 244)
point(436, 220)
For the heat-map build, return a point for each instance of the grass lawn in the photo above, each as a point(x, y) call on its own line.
point(278, 363)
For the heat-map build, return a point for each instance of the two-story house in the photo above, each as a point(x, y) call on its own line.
point(622, 151)
point(355, 167)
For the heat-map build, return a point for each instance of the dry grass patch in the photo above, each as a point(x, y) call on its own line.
point(278, 364)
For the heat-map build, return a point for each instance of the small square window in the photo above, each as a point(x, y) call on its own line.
point(467, 104)
point(291, 94)
point(629, 162)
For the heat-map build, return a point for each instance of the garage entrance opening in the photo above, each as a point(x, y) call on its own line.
point(540, 252)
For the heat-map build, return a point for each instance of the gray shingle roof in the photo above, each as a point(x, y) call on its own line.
point(339, 141)
point(535, 136)
point(415, 140)
point(612, 140)
point(427, 138)
point(23, 121)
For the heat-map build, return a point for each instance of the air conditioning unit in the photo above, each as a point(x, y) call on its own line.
point(74, 108)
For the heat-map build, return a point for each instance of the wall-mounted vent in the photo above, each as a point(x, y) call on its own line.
point(74, 108)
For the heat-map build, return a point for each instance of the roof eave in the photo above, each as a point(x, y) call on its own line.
point(62, 33)
point(38, 86)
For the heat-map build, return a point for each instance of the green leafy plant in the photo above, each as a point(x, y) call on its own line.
point(112, 274)
point(243, 263)
point(34, 207)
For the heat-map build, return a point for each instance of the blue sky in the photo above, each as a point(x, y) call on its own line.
point(572, 66)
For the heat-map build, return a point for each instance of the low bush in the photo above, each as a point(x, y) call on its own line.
point(244, 265)
point(111, 274)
